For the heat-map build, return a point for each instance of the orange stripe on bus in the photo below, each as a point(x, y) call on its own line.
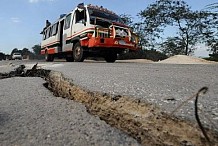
point(51, 51)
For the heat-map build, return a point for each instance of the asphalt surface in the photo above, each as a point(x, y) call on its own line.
point(166, 85)
point(31, 115)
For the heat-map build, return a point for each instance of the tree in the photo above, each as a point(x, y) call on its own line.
point(14, 51)
point(191, 26)
point(37, 52)
point(2, 56)
point(212, 38)
point(37, 49)
point(127, 19)
point(25, 51)
point(136, 27)
point(173, 46)
point(212, 42)
point(213, 6)
point(152, 23)
point(146, 38)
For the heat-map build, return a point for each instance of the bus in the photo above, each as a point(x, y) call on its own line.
point(87, 31)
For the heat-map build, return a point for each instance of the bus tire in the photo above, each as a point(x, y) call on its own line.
point(78, 53)
point(49, 57)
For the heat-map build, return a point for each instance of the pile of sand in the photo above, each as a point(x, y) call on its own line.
point(183, 59)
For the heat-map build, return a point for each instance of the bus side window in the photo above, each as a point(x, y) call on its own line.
point(67, 22)
point(48, 34)
point(54, 29)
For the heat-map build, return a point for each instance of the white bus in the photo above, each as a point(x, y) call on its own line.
point(85, 32)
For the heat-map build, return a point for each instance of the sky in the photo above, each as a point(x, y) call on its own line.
point(21, 21)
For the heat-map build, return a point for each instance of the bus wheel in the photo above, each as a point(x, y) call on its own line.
point(111, 57)
point(49, 57)
point(78, 53)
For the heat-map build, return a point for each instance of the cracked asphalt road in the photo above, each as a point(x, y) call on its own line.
point(31, 115)
point(165, 85)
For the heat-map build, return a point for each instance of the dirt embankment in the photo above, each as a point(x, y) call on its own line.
point(177, 59)
point(184, 59)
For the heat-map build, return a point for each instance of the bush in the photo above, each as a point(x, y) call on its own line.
point(143, 54)
point(213, 57)
point(2, 56)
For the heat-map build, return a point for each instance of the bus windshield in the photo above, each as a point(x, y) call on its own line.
point(94, 13)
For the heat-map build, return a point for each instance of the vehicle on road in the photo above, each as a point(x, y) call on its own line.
point(87, 31)
point(16, 56)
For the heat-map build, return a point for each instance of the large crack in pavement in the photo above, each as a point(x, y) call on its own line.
point(141, 120)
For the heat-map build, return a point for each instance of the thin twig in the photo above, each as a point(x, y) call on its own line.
point(202, 90)
point(183, 103)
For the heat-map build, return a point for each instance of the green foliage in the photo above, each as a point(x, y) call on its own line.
point(127, 19)
point(155, 55)
point(2, 56)
point(213, 6)
point(15, 50)
point(192, 26)
point(132, 55)
point(26, 53)
point(213, 57)
point(213, 43)
point(146, 38)
point(37, 49)
point(137, 28)
point(212, 38)
point(37, 52)
point(173, 46)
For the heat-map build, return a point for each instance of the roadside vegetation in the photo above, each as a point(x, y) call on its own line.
point(191, 28)
point(25, 52)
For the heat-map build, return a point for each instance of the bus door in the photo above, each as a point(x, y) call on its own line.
point(61, 28)
point(67, 45)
